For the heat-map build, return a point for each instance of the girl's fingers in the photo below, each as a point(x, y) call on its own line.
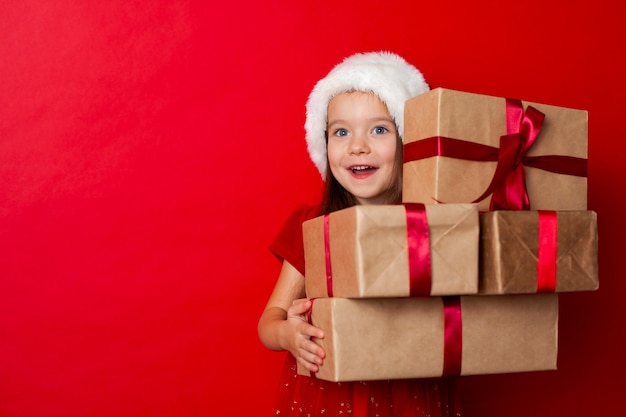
point(313, 351)
point(298, 311)
point(312, 331)
point(310, 360)
point(308, 365)
point(307, 351)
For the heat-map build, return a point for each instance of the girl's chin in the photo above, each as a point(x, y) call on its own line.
point(370, 199)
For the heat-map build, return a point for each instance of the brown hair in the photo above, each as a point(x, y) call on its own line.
point(336, 197)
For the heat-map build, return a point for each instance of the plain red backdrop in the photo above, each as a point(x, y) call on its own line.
point(149, 151)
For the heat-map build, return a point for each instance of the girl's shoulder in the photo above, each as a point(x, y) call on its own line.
point(305, 212)
point(288, 243)
point(300, 214)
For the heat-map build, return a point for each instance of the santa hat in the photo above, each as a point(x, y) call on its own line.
point(385, 74)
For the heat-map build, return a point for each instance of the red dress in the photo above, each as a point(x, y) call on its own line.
point(303, 396)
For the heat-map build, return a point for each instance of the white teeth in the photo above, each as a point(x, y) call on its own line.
point(360, 168)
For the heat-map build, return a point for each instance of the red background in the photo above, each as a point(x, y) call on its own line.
point(149, 150)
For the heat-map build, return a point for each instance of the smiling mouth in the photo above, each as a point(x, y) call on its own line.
point(362, 169)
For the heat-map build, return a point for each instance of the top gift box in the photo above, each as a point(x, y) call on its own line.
point(503, 154)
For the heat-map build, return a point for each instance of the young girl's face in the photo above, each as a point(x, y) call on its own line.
point(362, 142)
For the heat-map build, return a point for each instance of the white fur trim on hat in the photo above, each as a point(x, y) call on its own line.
point(385, 74)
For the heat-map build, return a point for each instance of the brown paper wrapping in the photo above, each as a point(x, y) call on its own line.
point(482, 119)
point(369, 254)
point(376, 339)
point(509, 247)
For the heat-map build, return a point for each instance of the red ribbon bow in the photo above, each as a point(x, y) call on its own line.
point(508, 184)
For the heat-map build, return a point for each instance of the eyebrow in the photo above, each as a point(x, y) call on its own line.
point(382, 119)
point(369, 120)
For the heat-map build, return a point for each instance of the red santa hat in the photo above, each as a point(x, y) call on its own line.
point(385, 74)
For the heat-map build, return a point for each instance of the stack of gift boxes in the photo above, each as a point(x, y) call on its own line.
point(463, 277)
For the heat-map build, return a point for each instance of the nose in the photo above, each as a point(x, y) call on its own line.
point(358, 145)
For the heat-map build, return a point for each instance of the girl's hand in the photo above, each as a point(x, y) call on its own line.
point(283, 324)
point(298, 336)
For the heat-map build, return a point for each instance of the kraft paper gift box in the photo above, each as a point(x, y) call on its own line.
point(368, 249)
point(380, 339)
point(530, 251)
point(453, 142)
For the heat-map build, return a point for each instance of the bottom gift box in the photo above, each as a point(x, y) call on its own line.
point(398, 338)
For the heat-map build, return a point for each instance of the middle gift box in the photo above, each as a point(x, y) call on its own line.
point(393, 251)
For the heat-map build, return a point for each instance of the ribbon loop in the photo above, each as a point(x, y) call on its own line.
point(509, 153)
point(514, 115)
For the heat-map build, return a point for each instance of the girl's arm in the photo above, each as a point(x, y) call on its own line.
point(283, 324)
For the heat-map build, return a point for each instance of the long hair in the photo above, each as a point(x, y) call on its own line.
point(336, 197)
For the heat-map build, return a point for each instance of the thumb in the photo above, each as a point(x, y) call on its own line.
point(300, 307)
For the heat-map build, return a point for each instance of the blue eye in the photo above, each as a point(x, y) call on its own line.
point(379, 130)
point(341, 132)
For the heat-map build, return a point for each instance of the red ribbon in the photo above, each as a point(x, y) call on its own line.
point(508, 186)
point(309, 319)
point(453, 336)
point(547, 251)
point(329, 272)
point(418, 242)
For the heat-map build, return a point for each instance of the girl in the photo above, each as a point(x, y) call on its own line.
point(354, 129)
